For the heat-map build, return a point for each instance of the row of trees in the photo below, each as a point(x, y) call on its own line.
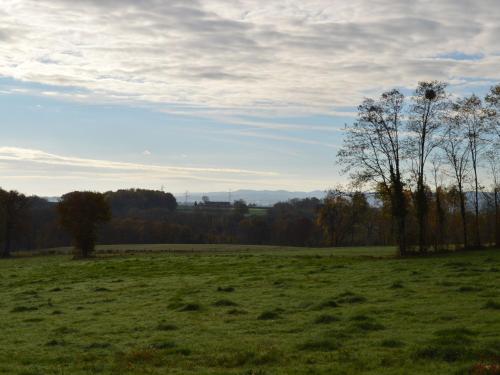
point(341, 219)
point(411, 150)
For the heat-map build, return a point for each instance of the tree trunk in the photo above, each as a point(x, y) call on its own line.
point(497, 219)
point(399, 212)
point(439, 237)
point(402, 235)
point(476, 209)
point(421, 213)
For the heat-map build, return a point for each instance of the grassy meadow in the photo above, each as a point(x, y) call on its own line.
point(216, 309)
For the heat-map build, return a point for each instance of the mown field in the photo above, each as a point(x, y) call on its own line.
point(250, 310)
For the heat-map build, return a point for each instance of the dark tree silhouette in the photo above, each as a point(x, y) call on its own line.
point(80, 213)
point(240, 207)
point(426, 114)
point(13, 206)
point(126, 202)
point(372, 152)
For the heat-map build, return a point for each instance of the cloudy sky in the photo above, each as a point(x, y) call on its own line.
point(206, 95)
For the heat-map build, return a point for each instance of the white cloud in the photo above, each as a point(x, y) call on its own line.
point(15, 154)
point(146, 152)
point(247, 54)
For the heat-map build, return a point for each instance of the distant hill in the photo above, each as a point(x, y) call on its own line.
point(258, 197)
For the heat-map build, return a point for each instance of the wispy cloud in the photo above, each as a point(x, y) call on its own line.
point(246, 54)
point(282, 138)
point(14, 154)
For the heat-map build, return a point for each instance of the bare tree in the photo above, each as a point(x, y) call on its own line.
point(493, 158)
point(424, 125)
point(475, 119)
point(372, 152)
point(457, 150)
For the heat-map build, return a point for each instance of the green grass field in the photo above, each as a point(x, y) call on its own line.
point(249, 310)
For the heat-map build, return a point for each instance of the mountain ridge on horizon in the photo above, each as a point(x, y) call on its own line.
point(259, 197)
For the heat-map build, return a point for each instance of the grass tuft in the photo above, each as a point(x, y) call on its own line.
point(237, 312)
point(269, 315)
point(326, 319)
point(101, 289)
point(397, 285)
point(331, 303)
point(464, 289)
point(55, 343)
point(351, 298)
point(166, 327)
point(493, 305)
point(227, 289)
point(369, 326)
point(322, 345)
point(225, 303)
point(163, 345)
point(20, 309)
point(392, 343)
point(449, 345)
point(191, 307)
point(98, 345)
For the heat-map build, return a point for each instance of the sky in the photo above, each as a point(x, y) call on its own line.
point(215, 95)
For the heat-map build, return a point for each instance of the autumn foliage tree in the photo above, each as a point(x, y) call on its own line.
point(80, 213)
point(373, 153)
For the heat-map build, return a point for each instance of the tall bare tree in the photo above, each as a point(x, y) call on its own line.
point(475, 120)
point(457, 150)
point(424, 124)
point(372, 152)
